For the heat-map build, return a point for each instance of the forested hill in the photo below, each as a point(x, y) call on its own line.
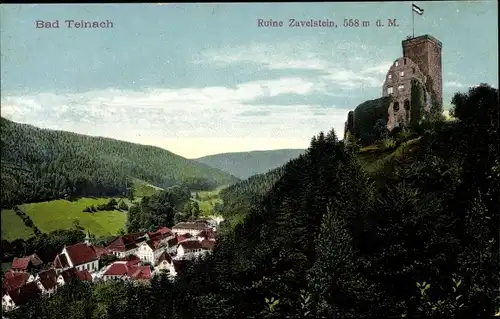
point(326, 241)
point(41, 164)
point(246, 164)
point(239, 198)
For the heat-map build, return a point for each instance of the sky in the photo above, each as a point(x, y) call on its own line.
point(201, 79)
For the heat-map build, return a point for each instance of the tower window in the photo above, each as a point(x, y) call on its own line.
point(407, 105)
point(404, 61)
point(401, 87)
point(402, 73)
point(389, 76)
point(413, 70)
point(396, 63)
point(389, 90)
point(396, 106)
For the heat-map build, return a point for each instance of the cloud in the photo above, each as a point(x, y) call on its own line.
point(455, 84)
point(188, 121)
point(347, 66)
point(268, 113)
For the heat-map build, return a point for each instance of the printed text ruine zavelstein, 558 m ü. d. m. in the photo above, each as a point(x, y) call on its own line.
point(294, 23)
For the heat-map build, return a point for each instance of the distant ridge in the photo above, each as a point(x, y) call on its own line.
point(246, 164)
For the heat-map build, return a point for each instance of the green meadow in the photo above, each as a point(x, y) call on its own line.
point(61, 214)
point(207, 200)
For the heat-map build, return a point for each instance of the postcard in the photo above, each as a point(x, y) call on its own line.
point(249, 160)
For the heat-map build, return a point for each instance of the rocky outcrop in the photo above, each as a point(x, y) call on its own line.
point(361, 121)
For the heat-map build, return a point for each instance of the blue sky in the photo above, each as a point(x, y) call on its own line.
point(200, 79)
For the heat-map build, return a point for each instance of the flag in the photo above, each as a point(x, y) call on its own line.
point(417, 9)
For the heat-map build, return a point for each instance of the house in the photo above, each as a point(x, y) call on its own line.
point(84, 275)
point(124, 245)
point(191, 228)
point(164, 262)
point(27, 263)
point(149, 250)
point(207, 234)
point(126, 270)
point(100, 251)
point(13, 280)
point(172, 245)
point(141, 273)
point(73, 273)
point(19, 296)
point(207, 245)
point(162, 232)
point(189, 249)
point(47, 281)
point(81, 256)
point(131, 259)
point(60, 263)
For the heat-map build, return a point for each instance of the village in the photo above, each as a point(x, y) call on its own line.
point(136, 257)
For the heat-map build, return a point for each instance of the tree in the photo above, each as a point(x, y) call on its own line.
point(77, 225)
point(123, 206)
point(380, 129)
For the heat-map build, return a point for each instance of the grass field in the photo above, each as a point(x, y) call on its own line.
point(13, 226)
point(373, 159)
point(141, 189)
point(207, 199)
point(60, 214)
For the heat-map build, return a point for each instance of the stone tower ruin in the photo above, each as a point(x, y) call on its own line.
point(420, 64)
point(416, 75)
point(425, 51)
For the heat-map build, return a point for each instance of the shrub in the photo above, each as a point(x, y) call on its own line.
point(387, 144)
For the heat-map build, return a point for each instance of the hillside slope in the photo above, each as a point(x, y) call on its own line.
point(246, 164)
point(50, 164)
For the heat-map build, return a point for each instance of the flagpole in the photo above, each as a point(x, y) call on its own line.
point(412, 20)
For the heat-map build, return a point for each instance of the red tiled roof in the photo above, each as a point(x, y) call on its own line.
point(153, 244)
point(207, 244)
point(191, 244)
point(48, 278)
point(24, 293)
point(153, 234)
point(61, 261)
point(20, 263)
point(208, 234)
point(100, 251)
point(14, 280)
point(124, 243)
point(69, 274)
point(131, 260)
point(164, 230)
point(120, 268)
point(81, 254)
point(183, 237)
point(35, 260)
point(159, 235)
point(84, 275)
point(141, 272)
point(9, 273)
point(117, 269)
point(164, 256)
